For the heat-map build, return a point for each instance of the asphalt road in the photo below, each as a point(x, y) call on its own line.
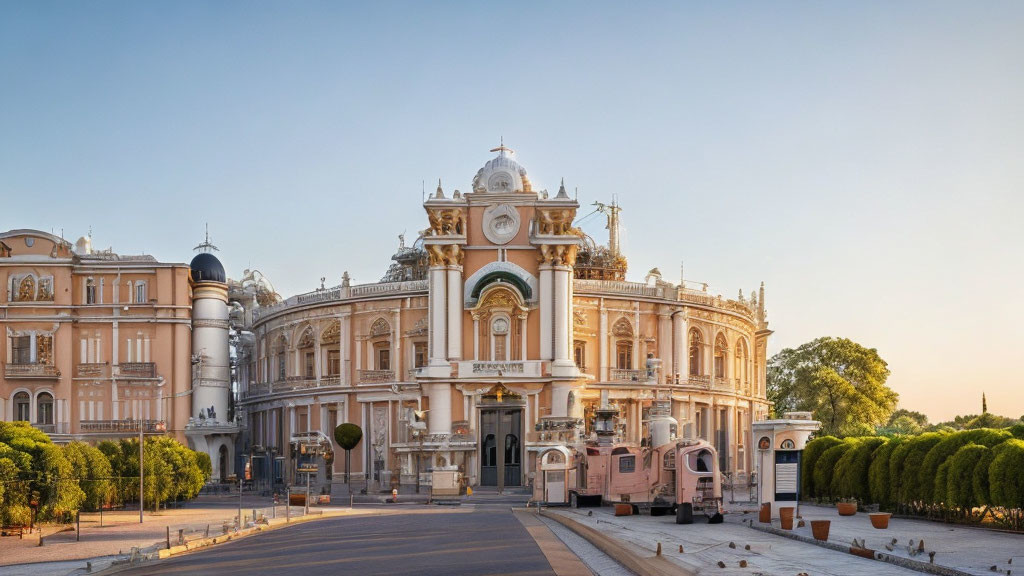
point(485, 541)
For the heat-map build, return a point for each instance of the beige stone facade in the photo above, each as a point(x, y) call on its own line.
point(501, 325)
point(95, 343)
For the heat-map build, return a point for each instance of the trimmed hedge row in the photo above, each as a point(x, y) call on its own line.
point(936, 473)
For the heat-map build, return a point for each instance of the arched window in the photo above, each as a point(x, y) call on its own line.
point(380, 333)
point(22, 407)
point(307, 353)
point(720, 349)
point(90, 291)
point(696, 350)
point(44, 408)
point(280, 349)
point(623, 333)
point(740, 361)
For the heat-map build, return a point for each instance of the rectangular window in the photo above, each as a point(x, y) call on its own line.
point(419, 354)
point(579, 354)
point(310, 365)
point(333, 362)
point(280, 365)
point(627, 464)
point(21, 350)
point(90, 292)
point(383, 359)
point(624, 355)
point(140, 293)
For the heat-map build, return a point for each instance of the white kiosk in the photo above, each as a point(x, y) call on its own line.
point(780, 444)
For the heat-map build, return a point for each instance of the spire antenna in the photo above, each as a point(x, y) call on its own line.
point(206, 246)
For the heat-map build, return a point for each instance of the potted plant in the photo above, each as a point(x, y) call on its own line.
point(819, 529)
point(880, 520)
point(847, 507)
point(786, 517)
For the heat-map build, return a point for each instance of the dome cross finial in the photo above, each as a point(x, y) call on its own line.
point(206, 246)
point(501, 149)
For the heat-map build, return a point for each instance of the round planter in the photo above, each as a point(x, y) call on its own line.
point(786, 517)
point(764, 515)
point(819, 529)
point(880, 520)
point(846, 508)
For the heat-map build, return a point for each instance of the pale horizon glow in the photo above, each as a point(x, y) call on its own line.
point(862, 159)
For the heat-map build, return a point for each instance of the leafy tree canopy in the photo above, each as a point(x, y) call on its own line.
point(348, 435)
point(841, 382)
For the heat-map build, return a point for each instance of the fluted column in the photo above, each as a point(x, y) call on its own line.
point(665, 345)
point(602, 337)
point(439, 419)
point(454, 290)
point(546, 290)
point(563, 308)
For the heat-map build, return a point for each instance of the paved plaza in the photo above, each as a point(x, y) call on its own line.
point(970, 550)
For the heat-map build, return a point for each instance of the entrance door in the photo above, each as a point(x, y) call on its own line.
point(501, 447)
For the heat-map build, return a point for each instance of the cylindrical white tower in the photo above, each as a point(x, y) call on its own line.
point(211, 383)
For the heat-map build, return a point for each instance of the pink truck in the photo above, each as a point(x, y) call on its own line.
point(674, 474)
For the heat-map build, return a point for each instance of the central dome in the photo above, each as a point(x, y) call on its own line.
point(502, 174)
point(205, 267)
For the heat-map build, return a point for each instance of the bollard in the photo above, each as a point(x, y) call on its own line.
point(351, 499)
point(207, 533)
point(78, 526)
point(168, 537)
point(658, 552)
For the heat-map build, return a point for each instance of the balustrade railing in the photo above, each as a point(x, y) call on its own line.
point(93, 369)
point(31, 371)
point(626, 375)
point(122, 426)
point(137, 369)
point(337, 293)
point(376, 376)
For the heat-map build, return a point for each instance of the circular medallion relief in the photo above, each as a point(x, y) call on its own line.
point(787, 444)
point(500, 182)
point(500, 223)
point(499, 326)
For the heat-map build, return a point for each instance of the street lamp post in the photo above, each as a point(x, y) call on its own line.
point(141, 485)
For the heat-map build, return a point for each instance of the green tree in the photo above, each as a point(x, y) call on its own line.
point(1005, 486)
point(812, 451)
point(928, 477)
point(348, 436)
point(825, 468)
point(879, 482)
point(93, 471)
point(959, 481)
point(841, 382)
point(850, 479)
point(905, 465)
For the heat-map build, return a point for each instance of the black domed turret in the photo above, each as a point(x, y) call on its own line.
point(207, 268)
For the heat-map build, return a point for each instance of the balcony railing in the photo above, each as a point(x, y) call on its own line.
point(334, 380)
point(122, 426)
point(376, 376)
point(626, 375)
point(138, 369)
point(294, 383)
point(93, 369)
point(55, 428)
point(35, 371)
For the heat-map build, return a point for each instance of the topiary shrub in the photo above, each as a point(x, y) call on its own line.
point(879, 483)
point(812, 451)
point(1017, 430)
point(942, 451)
point(959, 480)
point(904, 465)
point(825, 467)
point(850, 479)
point(1005, 486)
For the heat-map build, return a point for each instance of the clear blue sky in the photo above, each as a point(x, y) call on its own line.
point(864, 159)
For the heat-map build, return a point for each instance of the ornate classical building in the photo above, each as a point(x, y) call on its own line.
point(503, 326)
point(96, 344)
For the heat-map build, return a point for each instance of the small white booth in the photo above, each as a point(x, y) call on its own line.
point(556, 475)
point(780, 445)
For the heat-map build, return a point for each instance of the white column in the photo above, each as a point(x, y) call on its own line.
point(522, 338)
point(359, 358)
point(562, 310)
point(602, 340)
point(545, 296)
point(439, 419)
point(560, 399)
point(681, 349)
point(454, 290)
point(114, 403)
point(32, 356)
point(438, 298)
point(665, 345)
point(396, 343)
point(345, 351)
point(476, 337)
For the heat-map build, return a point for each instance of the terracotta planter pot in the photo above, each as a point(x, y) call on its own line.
point(846, 508)
point(819, 529)
point(880, 520)
point(786, 516)
point(623, 510)
point(764, 515)
point(863, 552)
